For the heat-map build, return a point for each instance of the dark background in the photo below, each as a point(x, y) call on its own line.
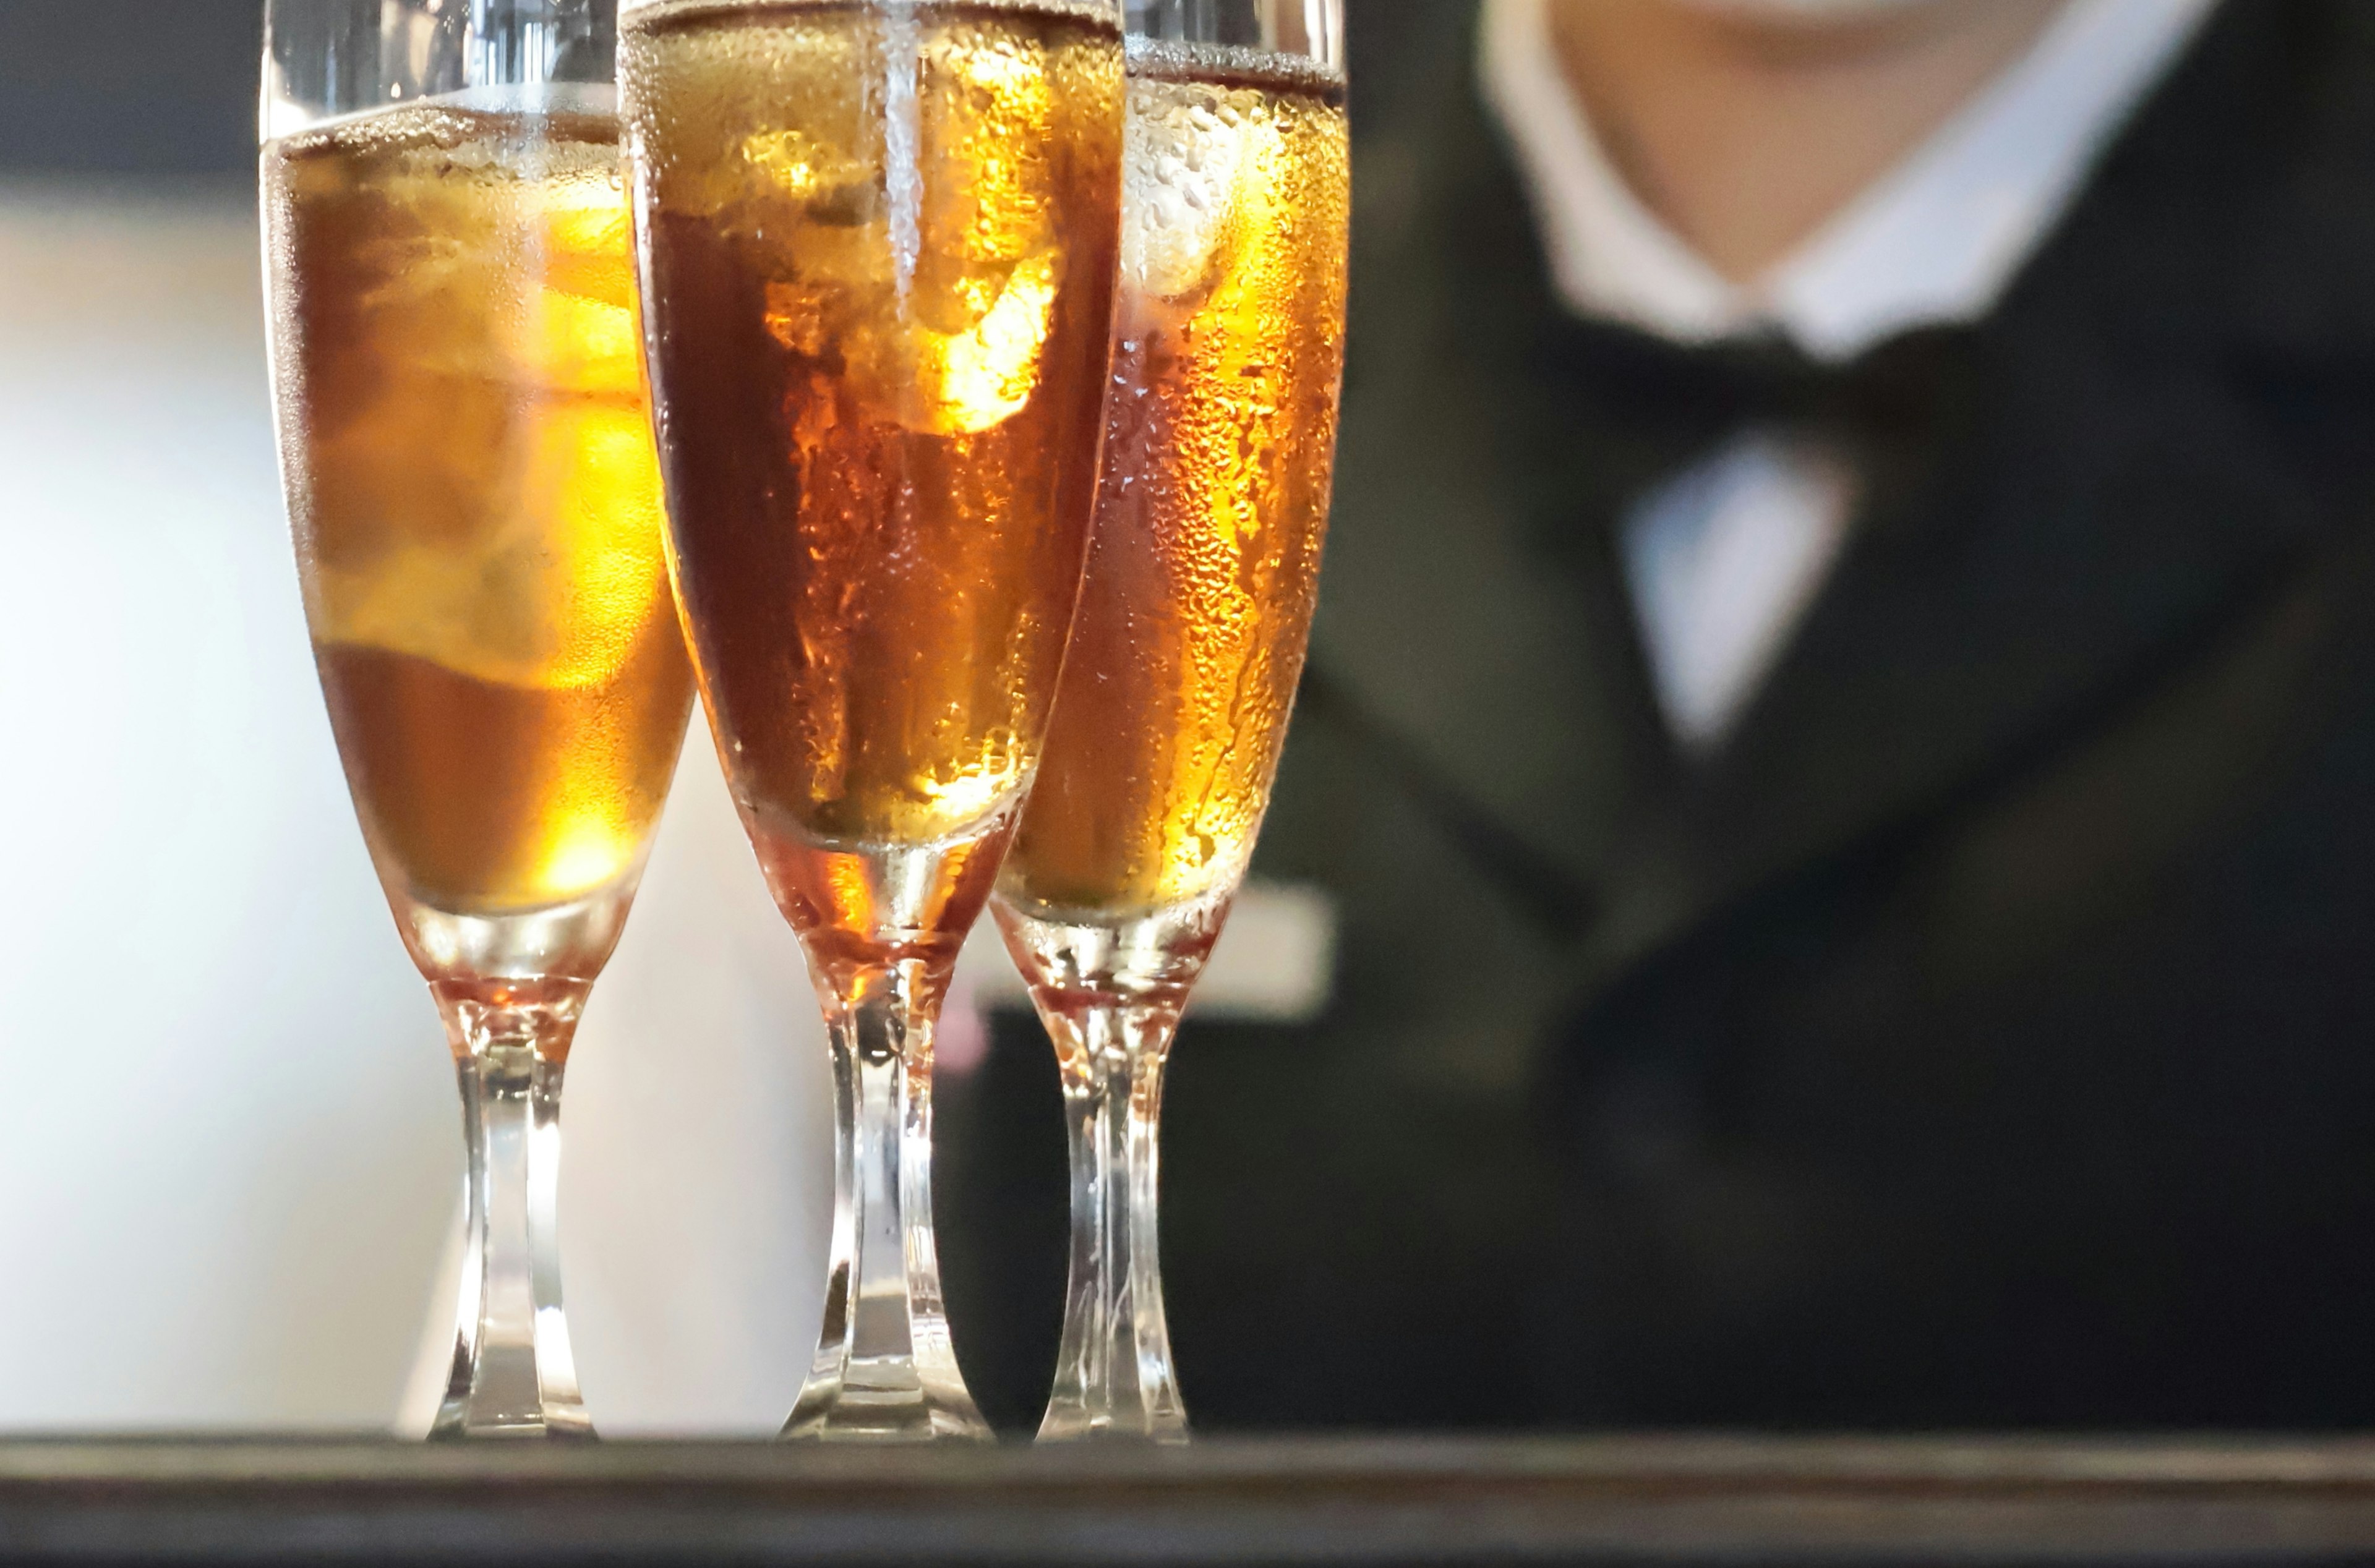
point(128, 87)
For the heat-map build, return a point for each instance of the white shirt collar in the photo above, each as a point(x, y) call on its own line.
point(1936, 238)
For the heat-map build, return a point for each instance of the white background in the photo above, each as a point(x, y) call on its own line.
point(229, 1143)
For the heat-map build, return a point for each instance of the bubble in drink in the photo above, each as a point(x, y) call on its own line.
point(885, 236)
point(1219, 437)
point(475, 497)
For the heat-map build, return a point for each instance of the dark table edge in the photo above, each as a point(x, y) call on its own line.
point(1654, 1497)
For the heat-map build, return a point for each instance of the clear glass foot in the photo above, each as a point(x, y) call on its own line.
point(512, 1372)
point(881, 930)
point(1110, 994)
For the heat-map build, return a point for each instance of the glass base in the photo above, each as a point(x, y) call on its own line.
point(885, 1399)
point(514, 1374)
point(885, 1370)
point(1110, 993)
point(882, 928)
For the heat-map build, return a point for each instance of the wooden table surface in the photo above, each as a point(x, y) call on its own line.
point(1386, 1501)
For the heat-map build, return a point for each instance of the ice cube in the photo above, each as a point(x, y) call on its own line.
point(546, 575)
point(988, 113)
point(584, 239)
point(1190, 154)
point(963, 382)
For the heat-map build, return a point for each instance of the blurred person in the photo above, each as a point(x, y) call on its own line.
point(1841, 737)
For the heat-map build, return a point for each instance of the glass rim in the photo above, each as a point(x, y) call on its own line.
point(1256, 33)
point(327, 62)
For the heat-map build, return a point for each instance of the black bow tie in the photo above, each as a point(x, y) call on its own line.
point(1623, 412)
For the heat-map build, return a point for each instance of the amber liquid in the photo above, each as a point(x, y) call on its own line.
point(475, 497)
point(879, 240)
point(1220, 434)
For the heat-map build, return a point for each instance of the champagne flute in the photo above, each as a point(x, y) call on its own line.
point(878, 242)
point(1221, 431)
point(475, 495)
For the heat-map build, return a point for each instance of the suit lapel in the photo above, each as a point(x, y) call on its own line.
point(1504, 686)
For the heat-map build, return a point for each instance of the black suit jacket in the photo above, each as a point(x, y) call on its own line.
point(1986, 1033)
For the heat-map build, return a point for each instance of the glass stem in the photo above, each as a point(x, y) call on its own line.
point(885, 1369)
point(513, 1373)
point(1112, 1375)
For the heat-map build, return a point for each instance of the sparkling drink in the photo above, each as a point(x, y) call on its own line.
point(879, 242)
point(1221, 425)
point(1221, 431)
point(467, 456)
point(476, 498)
point(886, 237)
